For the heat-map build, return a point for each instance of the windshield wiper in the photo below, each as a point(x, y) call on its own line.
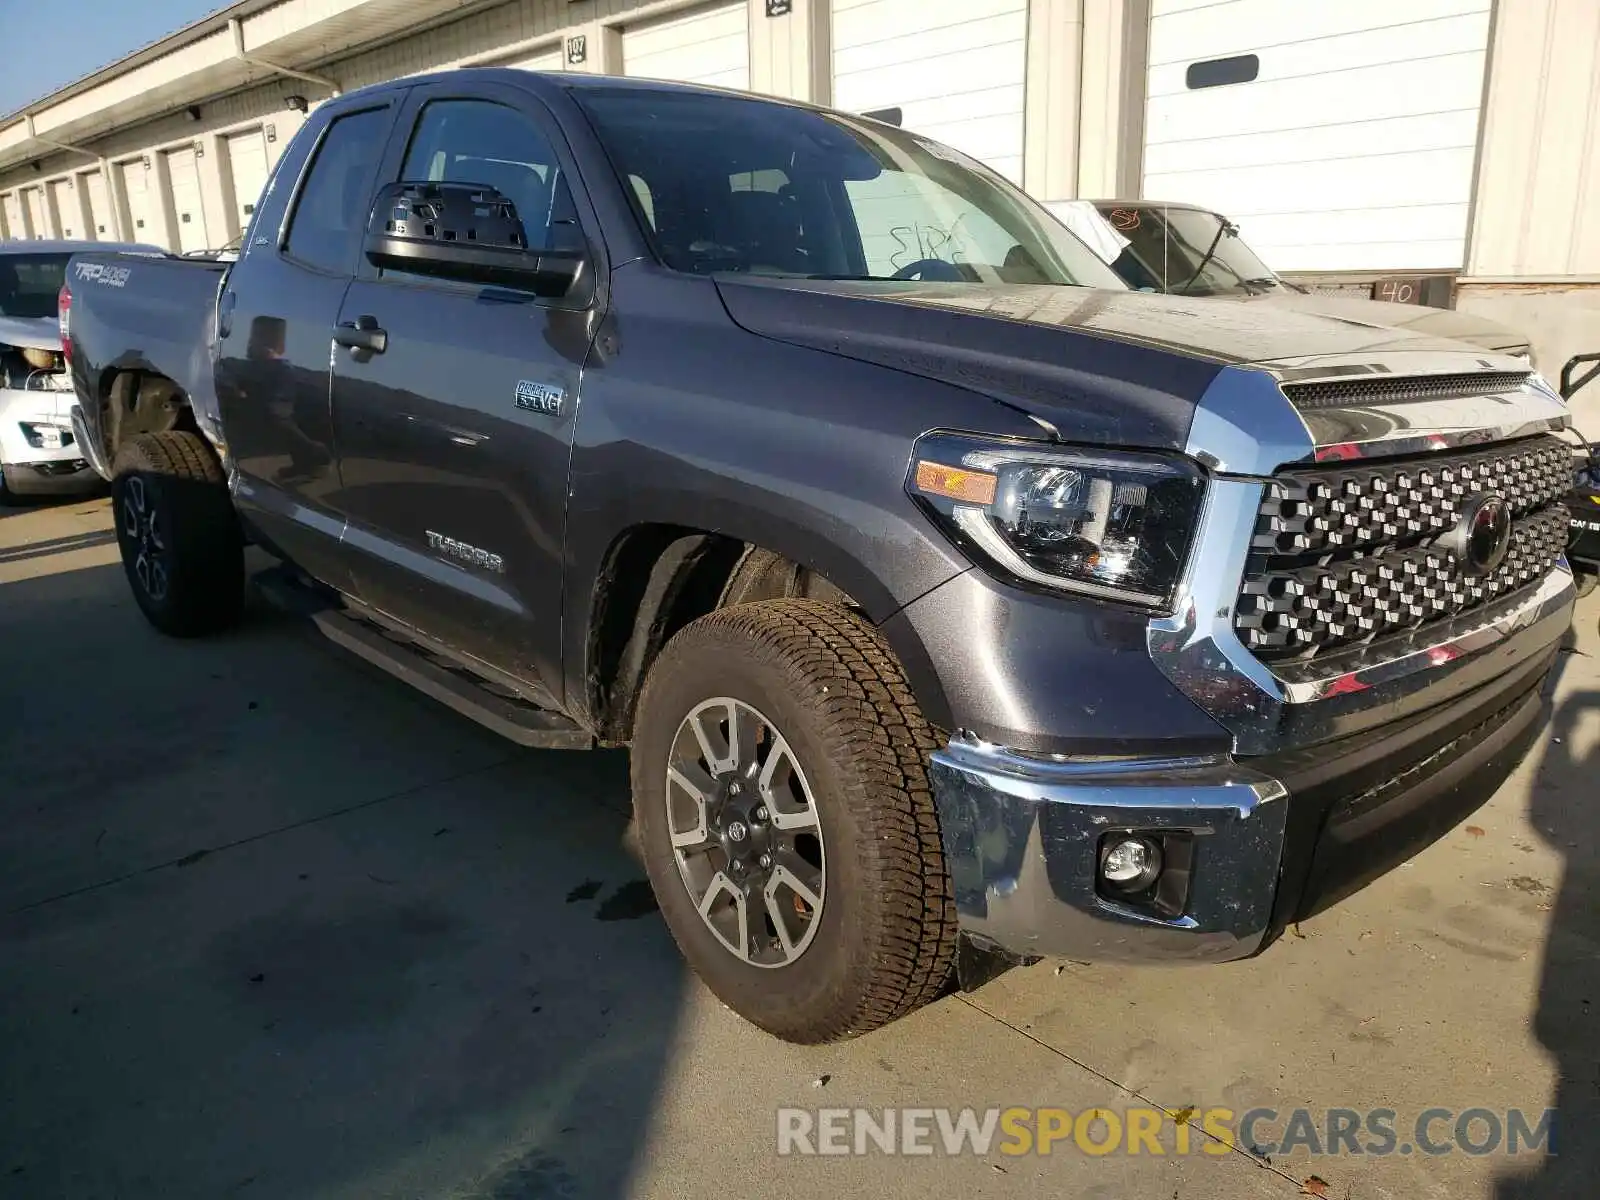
point(1211, 252)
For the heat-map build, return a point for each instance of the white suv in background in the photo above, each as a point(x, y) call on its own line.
point(38, 456)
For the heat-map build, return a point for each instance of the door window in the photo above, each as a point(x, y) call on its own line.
point(330, 216)
point(477, 141)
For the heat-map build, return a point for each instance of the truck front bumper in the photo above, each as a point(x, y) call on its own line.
point(1263, 841)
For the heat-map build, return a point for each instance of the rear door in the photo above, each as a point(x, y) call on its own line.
point(275, 334)
point(454, 440)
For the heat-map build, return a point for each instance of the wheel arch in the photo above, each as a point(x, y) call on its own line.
point(134, 401)
point(655, 578)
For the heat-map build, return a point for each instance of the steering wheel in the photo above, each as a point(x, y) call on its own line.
point(930, 270)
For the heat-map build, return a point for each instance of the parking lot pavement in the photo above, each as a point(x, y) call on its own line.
point(278, 927)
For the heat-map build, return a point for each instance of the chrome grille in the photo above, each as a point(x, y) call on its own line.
point(1343, 555)
point(1379, 389)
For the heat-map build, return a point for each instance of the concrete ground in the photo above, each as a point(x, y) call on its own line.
point(276, 926)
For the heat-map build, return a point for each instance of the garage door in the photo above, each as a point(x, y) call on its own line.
point(183, 169)
point(104, 228)
point(136, 184)
point(709, 45)
point(956, 72)
point(64, 199)
point(34, 198)
point(247, 165)
point(14, 225)
point(1339, 136)
point(545, 60)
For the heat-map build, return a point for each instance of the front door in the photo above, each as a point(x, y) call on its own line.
point(454, 439)
point(274, 339)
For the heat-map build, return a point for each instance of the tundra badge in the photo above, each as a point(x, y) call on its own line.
point(540, 398)
point(462, 552)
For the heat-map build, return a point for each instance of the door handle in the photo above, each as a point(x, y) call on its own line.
point(361, 334)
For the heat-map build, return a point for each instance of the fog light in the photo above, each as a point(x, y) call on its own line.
point(1131, 863)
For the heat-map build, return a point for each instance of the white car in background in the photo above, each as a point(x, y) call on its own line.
point(38, 454)
point(1188, 250)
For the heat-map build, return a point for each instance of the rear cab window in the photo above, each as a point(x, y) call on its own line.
point(331, 210)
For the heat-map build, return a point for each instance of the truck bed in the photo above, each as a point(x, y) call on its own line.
point(137, 313)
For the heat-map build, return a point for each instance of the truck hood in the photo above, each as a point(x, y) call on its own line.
point(30, 333)
point(1378, 314)
point(1119, 368)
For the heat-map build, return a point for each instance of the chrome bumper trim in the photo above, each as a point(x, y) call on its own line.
point(90, 446)
point(1021, 841)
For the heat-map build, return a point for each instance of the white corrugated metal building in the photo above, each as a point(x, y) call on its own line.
point(1351, 141)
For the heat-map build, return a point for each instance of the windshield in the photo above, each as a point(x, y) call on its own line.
point(727, 184)
point(1184, 250)
point(29, 283)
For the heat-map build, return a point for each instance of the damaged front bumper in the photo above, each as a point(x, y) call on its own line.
point(40, 450)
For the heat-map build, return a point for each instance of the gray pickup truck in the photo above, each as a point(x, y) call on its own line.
point(960, 606)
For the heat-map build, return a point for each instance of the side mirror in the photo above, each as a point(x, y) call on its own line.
point(467, 232)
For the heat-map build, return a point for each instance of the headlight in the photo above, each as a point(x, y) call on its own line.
point(1106, 524)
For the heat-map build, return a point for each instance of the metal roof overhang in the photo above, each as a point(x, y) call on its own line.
point(204, 60)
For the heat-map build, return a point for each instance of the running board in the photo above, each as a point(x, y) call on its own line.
point(510, 718)
point(289, 591)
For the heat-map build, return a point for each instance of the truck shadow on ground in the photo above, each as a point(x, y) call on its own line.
point(425, 991)
point(1567, 1022)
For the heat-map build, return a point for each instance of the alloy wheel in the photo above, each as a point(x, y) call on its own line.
point(745, 832)
point(143, 531)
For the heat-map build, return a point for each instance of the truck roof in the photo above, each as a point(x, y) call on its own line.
point(572, 81)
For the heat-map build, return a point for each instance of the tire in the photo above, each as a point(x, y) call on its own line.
point(882, 940)
point(179, 536)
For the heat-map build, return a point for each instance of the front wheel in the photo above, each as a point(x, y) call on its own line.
point(179, 537)
point(780, 788)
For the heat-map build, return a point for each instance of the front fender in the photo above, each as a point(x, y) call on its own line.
point(686, 420)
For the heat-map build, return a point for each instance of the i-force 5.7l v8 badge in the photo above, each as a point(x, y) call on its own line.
point(540, 398)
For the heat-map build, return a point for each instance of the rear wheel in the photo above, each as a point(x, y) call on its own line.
point(179, 537)
point(781, 793)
